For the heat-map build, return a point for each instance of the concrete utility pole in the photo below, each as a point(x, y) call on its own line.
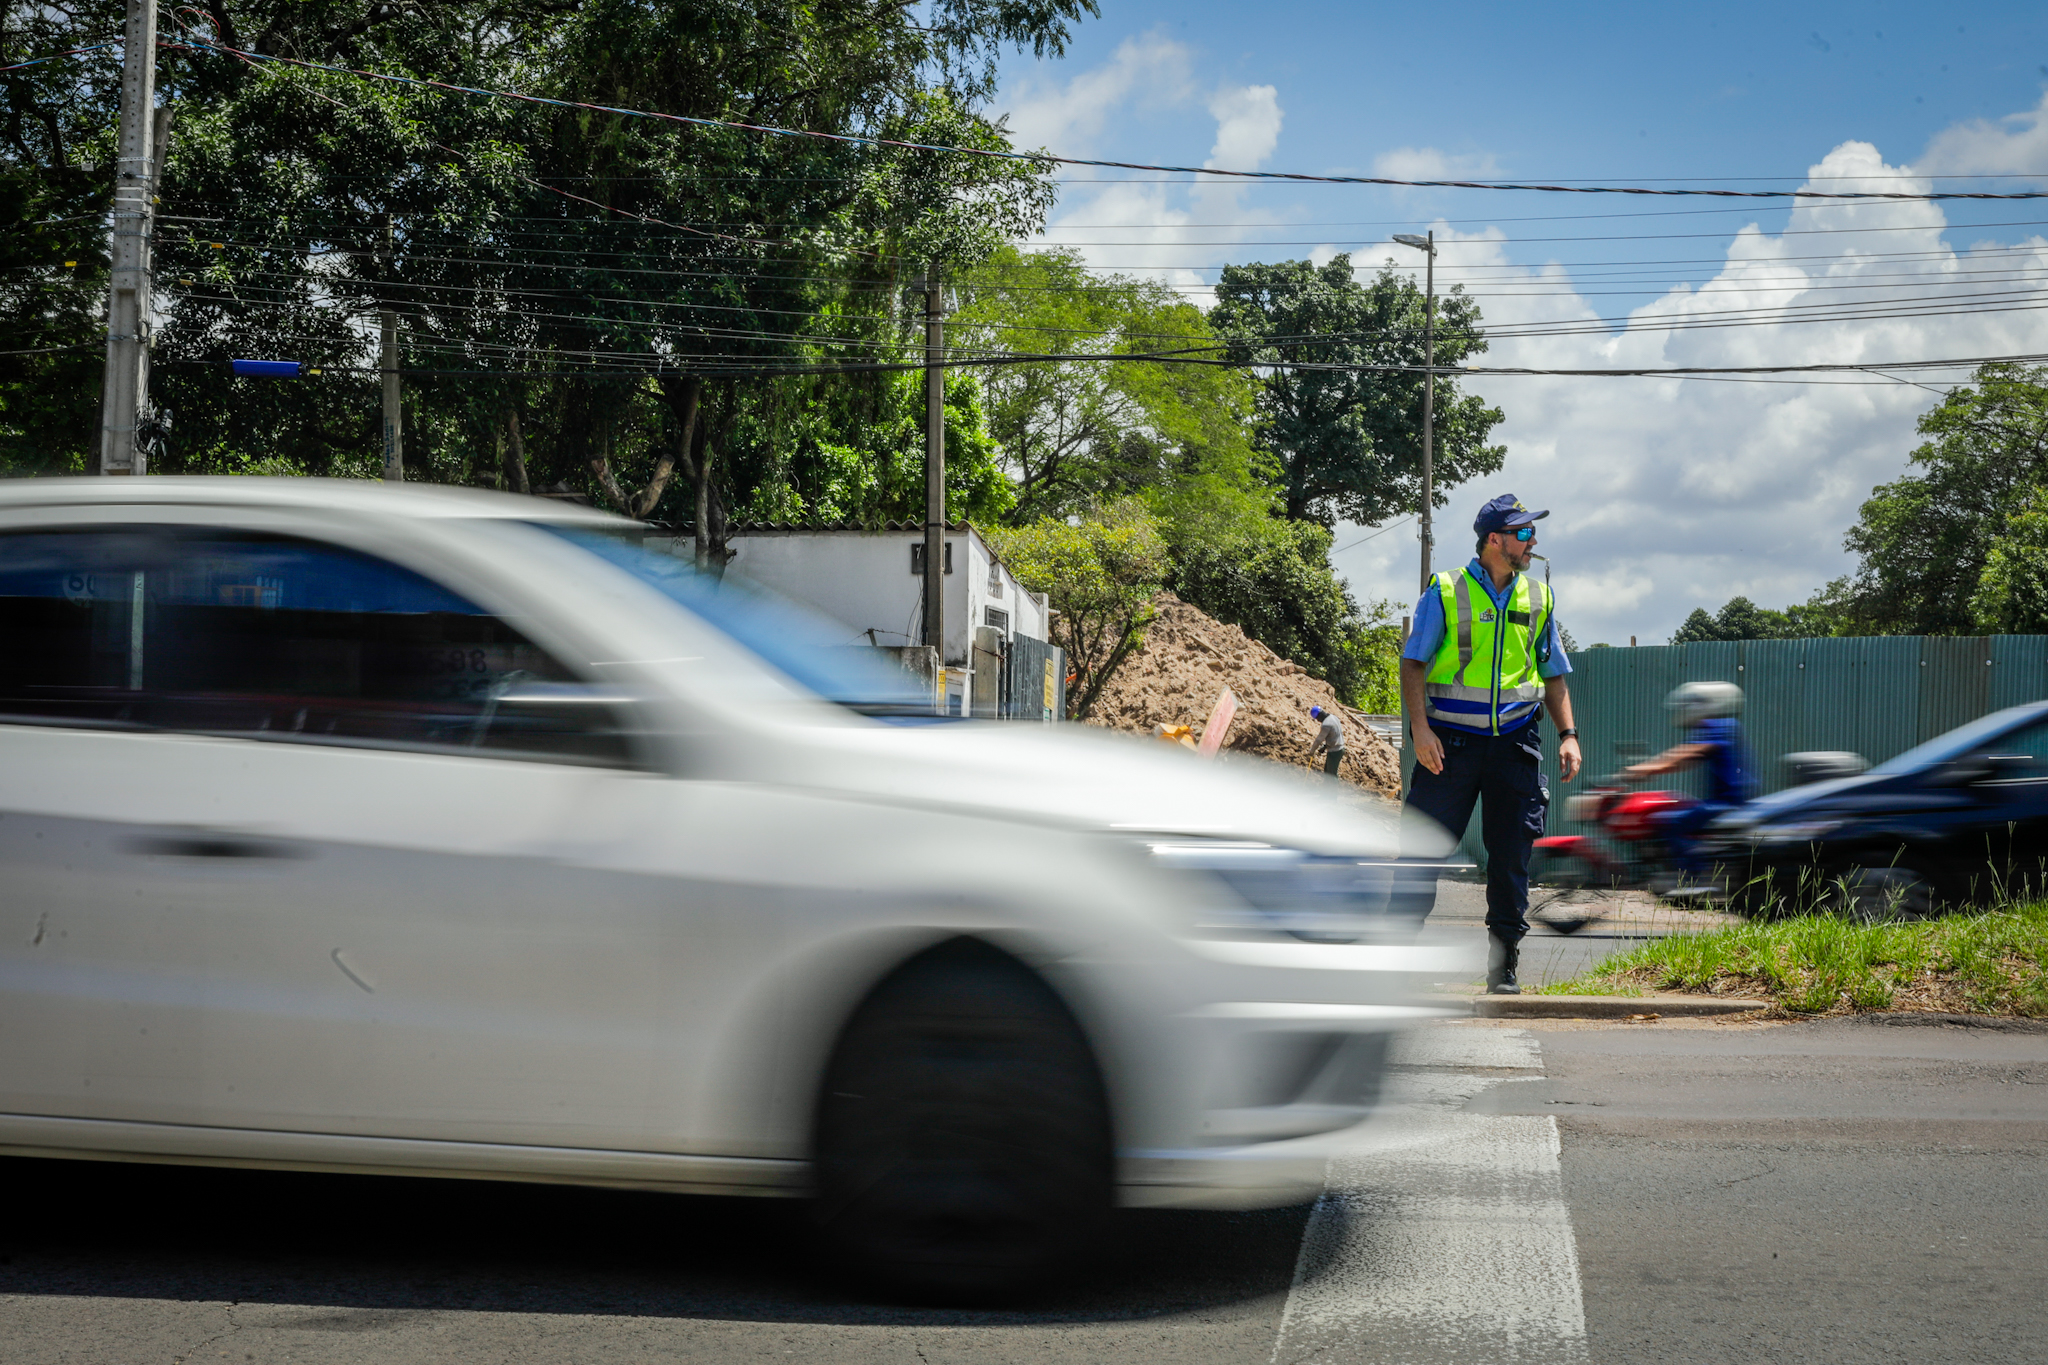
point(394, 431)
point(934, 462)
point(1427, 244)
point(125, 396)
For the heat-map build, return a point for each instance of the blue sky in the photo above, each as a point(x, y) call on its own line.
point(1669, 494)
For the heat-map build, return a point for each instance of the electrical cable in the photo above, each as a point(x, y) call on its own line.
point(192, 43)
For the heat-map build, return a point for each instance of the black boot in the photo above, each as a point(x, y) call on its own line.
point(1502, 957)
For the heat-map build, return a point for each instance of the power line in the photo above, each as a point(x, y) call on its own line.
point(194, 44)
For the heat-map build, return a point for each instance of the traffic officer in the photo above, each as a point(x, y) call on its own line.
point(1483, 654)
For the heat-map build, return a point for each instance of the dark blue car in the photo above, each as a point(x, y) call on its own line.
point(1960, 819)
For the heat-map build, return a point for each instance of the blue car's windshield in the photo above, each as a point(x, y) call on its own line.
point(1959, 741)
point(810, 650)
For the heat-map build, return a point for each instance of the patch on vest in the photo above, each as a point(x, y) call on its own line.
point(1486, 615)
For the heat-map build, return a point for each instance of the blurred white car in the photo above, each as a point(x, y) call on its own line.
point(359, 828)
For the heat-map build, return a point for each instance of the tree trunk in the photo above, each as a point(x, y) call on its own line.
point(601, 465)
point(515, 452)
point(684, 399)
point(702, 527)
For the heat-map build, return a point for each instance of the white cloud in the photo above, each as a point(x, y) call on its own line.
point(1247, 127)
point(1147, 72)
point(2014, 145)
point(1667, 494)
point(1427, 163)
point(1671, 494)
point(1156, 224)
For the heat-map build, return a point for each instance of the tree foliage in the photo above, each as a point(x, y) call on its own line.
point(1347, 443)
point(1741, 619)
point(1926, 541)
point(544, 262)
point(1100, 572)
point(2012, 592)
point(1073, 430)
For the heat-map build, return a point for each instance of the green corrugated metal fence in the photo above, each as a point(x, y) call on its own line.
point(1873, 695)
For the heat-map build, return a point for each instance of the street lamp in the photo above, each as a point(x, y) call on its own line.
point(1427, 245)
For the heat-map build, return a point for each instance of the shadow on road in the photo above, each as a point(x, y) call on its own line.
point(353, 1242)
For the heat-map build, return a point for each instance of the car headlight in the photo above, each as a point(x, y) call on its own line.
point(1309, 896)
point(1795, 831)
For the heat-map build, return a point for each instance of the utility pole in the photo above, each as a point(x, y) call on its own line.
point(1428, 246)
point(934, 462)
point(394, 431)
point(125, 396)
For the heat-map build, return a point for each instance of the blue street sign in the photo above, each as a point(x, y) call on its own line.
point(266, 369)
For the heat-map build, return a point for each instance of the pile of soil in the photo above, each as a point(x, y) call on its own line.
point(1190, 657)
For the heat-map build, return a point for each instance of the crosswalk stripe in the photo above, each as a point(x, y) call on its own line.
point(1442, 1237)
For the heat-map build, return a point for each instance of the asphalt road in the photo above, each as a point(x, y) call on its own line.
point(1562, 1193)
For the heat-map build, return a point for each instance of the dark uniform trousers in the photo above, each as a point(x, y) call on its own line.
point(1500, 772)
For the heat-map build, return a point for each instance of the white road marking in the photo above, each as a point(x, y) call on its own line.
point(1443, 1238)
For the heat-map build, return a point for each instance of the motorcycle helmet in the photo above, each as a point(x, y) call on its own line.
point(1693, 702)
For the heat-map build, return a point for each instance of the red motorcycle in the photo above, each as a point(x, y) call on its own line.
point(1626, 850)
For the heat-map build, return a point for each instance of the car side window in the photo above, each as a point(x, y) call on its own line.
point(278, 638)
point(2021, 755)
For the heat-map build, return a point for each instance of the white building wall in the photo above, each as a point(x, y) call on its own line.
point(863, 579)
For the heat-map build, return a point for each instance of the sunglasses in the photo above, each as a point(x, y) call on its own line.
point(1525, 534)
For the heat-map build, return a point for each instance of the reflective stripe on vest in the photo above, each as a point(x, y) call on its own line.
point(1485, 674)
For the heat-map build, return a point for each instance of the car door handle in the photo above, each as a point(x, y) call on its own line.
point(215, 846)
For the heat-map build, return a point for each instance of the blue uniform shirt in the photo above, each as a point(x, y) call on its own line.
point(1426, 635)
point(1727, 774)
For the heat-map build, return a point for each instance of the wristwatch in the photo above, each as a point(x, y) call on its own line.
point(1572, 733)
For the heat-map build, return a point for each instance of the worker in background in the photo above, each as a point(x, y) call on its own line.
point(1329, 739)
point(1708, 713)
point(1483, 662)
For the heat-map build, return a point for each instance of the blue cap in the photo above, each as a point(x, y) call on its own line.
point(1504, 513)
point(1315, 712)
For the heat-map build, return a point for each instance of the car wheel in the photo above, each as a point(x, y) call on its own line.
point(963, 1142)
point(1881, 893)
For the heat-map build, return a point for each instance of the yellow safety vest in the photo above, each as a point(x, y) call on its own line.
point(1484, 676)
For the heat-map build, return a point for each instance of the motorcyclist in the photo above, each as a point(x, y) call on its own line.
point(1709, 713)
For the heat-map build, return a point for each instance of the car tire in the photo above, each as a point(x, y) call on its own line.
point(1882, 893)
point(963, 1141)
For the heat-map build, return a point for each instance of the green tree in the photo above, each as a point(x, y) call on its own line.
point(1100, 572)
point(1075, 430)
point(1926, 540)
point(54, 192)
point(1741, 619)
point(2012, 592)
point(539, 256)
point(1347, 442)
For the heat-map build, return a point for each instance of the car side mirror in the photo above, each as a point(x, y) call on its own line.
point(1974, 769)
point(1966, 771)
point(568, 720)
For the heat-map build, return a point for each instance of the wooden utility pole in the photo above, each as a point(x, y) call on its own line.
point(125, 395)
point(934, 463)
point(1429, 412)
point(394, 429)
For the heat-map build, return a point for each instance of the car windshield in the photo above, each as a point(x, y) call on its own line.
point(804, 646)
point(1958, 741)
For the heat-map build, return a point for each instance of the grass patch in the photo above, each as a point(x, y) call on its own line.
point(1990, 962)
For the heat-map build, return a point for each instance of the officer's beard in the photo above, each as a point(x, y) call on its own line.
point(1519, 556)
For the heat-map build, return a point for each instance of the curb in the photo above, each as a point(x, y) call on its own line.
point(1610, 1006)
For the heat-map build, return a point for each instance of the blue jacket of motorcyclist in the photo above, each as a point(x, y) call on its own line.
point(1719, 740)
point(1708, 713)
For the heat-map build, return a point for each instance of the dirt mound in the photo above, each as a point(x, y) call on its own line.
point(1190, 657)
